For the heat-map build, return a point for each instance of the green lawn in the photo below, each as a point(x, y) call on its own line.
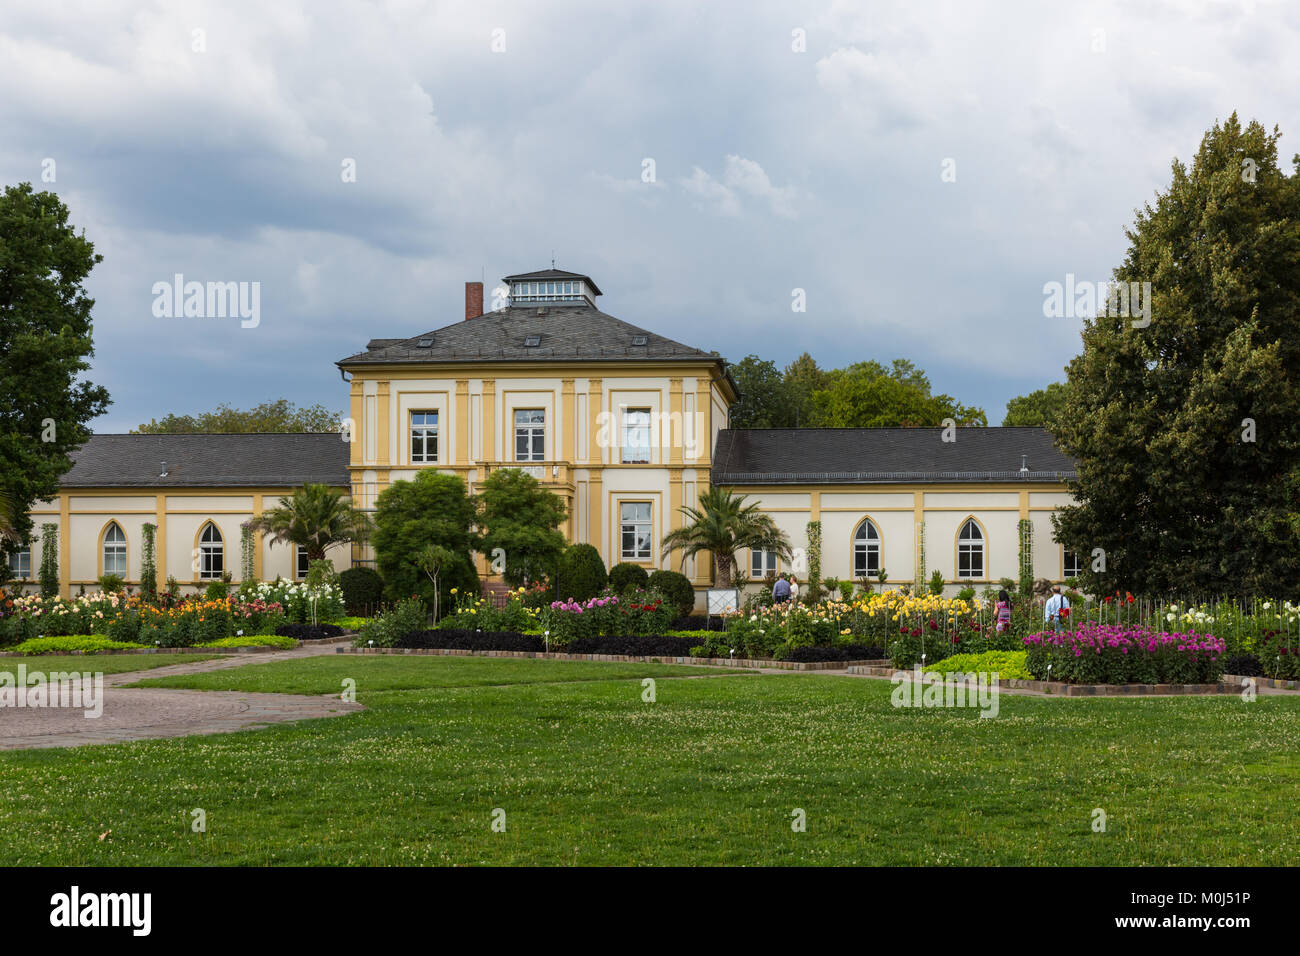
point(99, 663)
point(587, 772)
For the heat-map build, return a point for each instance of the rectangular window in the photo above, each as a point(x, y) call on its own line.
point(302, 564)
point(636, 530)
point(1072, 564)
point(20, 564)
point(762, 563)
point(530, 434)
point(636, 436)
point(424, 437)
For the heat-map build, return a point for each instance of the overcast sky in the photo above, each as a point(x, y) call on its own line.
point(220, 155)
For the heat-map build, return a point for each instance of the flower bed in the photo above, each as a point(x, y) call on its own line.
point(635, 613)
point(1122, 654)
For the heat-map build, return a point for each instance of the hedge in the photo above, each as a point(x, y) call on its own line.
point(845, 652)
point(658, 645)
point(452, 638)
point(626, 576)
point(309, 632)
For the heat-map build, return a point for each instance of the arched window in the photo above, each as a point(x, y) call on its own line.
point(970, 550)
point(114, 550)
point(866, 550)
point(212, 553)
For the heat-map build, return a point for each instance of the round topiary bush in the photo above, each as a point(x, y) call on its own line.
point(626, 576)
point(363, 589)
point(581, 574)
point(675, 587)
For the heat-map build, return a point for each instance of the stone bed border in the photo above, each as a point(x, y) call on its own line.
point(1229, 684)
point(612, 658)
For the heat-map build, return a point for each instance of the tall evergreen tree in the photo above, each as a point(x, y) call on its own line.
point(1187, 431)
point(45, 345)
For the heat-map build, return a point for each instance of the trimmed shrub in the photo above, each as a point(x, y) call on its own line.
point(698, 622)
point(363, 589)
point(656, 645)
point(309, 632)
point(625, 576)
point(843, 652)
point(216, 591)
point(86, 643)
point(253, 640)
point(581, 574)
point(1009, 665)
point(451, 638)
point(676, 588)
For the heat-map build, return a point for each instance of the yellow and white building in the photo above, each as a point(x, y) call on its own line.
point(626, 426)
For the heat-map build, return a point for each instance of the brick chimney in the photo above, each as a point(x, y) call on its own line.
point(473, 300)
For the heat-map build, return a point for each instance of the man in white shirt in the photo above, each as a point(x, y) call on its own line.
point(1055, 604)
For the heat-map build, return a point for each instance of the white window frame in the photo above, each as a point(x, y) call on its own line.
point(1070, 569)
point(632, 453)
point(209, 549)
point(423, 432)
point(113, 556)
point(20, 564)
point(636, 526)
point(533, 433)
point(866, 541)
point(300, 563)
point(763, 563)
point(971, 546)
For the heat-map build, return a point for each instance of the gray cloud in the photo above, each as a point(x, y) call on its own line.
point(774, 169)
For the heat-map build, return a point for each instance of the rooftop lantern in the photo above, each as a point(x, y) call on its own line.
point(551, 287)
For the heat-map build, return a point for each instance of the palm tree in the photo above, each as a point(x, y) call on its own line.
point(316, 518)
point(8, 517)
point(724, 523)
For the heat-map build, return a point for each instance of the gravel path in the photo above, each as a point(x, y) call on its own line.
point(149, 713)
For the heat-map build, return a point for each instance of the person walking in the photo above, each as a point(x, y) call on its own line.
point(781, 590)
point(1003, 609)
point(794, 589)
point(1058, 606)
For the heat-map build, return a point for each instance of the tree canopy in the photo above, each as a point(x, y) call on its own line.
point(1039, 408)
point(520, 518)
point(45, 345)
point(1187, 431)
point(862, 395)
point(280, 415)
point(429, 509)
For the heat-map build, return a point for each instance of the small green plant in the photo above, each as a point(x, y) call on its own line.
point(148, 563)
point(936, 582)
point(111, 583)
point(49, 576)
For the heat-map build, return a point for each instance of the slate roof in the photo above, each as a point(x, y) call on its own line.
point(774, 456)
point(567, 331)
point(274, 460)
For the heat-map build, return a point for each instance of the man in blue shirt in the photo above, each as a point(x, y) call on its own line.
point(1055, 604)
point(781, 590)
